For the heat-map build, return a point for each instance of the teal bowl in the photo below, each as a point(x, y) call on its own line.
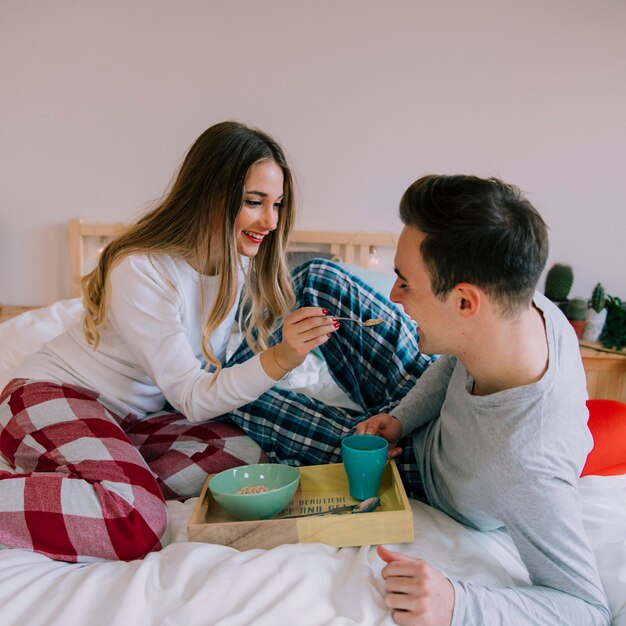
point(281, 480)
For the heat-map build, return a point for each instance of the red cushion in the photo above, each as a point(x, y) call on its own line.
point(607, 422)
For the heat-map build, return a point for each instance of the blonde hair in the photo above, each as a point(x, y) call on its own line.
point(206, 198)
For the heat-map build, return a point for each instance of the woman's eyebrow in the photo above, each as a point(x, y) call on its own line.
point(261, 193)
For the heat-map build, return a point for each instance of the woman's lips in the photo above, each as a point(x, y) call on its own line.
point(252, 236)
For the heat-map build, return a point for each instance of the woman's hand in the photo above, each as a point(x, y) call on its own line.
point(386, 426)
point(303, 330)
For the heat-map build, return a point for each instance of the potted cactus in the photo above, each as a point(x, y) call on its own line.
point(559, 281)
point(575, 312)
point(595, 317)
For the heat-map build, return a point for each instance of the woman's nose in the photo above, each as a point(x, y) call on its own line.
point(270, 218)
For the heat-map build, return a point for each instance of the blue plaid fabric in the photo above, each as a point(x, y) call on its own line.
point(409, 473)
point(375, 366)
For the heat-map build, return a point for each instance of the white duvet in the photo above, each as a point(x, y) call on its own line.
point(307, 584)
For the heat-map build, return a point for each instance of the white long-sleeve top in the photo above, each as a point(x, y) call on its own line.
point(150, 349)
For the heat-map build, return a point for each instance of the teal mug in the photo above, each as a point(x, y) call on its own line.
point(364, 459)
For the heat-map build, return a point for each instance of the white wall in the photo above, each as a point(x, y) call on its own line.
point(100, 101)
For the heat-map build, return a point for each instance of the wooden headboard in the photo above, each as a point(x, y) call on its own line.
point(350, 247)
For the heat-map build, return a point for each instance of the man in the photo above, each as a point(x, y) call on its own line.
point(498, 424)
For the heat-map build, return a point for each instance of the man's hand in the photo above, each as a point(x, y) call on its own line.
point(417, 593)
point(386, 426)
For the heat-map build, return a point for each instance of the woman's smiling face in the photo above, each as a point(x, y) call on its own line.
point(262, 200)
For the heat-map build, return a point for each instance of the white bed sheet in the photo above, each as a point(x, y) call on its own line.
point(307, 584)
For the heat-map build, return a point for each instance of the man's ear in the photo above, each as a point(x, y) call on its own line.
point(468, 299)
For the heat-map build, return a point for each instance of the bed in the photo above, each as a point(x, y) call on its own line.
point(305, 584)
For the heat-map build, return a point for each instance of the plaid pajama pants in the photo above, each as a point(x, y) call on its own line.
point(89, 483)
point(375, 366)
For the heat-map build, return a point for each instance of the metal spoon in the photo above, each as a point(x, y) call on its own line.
point(367, 323)
point(366, 506)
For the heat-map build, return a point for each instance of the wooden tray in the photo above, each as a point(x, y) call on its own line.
point(321, 487)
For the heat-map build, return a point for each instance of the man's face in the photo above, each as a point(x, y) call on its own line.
point(412, 290)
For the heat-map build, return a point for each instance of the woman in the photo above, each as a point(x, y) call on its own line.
point(114, 415)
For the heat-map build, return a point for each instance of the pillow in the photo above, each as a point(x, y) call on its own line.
point(607, 423)
point(376, 280)
point(26, 333)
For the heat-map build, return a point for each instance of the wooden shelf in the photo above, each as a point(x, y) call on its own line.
point(605, 370)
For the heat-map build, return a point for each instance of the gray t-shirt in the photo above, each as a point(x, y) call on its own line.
point(513, 459)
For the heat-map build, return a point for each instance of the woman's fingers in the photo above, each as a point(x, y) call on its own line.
point(302, 326)
point(303, 330)
point(308, 312)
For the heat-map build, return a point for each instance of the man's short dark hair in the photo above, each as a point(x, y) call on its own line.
point(480, 231)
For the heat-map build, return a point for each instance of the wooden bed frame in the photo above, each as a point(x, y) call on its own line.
point(350, 247)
